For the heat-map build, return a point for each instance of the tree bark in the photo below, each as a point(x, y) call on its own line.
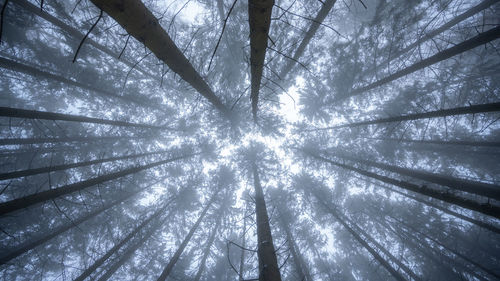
point(473, 187)
point(485, 208)
point(476, 41)
point(120, 244)
point(140, 23)
point(259, 18)
point(43, 115)
point(29, 200)
point(472, 109)
point(21, 141)
point(166, 271)
point(268, 263)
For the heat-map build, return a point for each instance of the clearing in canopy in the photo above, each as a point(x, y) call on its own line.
point(250, 140)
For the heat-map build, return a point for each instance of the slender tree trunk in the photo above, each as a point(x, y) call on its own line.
point(120, 244)
point(166, 271)
point(472, 109)
point(78, 35)
point(48, 169)
point(29, 200)
point(313, 28)
point(485, 208)
point(32, 244)
point(210, 241)
point(476, 41)
point(365, 244)
point(43, 115)
point(140, 23)
point(268, 263)
point(444, 210)
point(443, 142)
point(44, 75)
point(21, 141)
point(243, 245)
point(474, 187)
point(259, 18)
point(465, 15)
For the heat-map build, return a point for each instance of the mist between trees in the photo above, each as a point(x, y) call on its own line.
point(265, 140)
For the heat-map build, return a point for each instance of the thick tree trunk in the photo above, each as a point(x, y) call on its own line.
point(365, 244)
point(43, 115)
point(476, 41)
point(472, 109)
point(313, 28)
point(44, 75)
point(120, 244)
point(485, 208)
point(140, 23)
point(29, 200)
point(32, 244)
point(166, 271)
point(48, 169)
point(473, 187)
point(78, 35)
point(465, 15)
point(268, 263)
point(259, 18)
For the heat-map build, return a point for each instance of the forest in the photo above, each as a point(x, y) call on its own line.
point(266, 140)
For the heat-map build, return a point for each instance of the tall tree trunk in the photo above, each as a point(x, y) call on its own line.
point(45, 75)
point(43, 115)
point(173, 260)
point(210, 241)
point(473, 187)
point(259, 18)
point(29, 200)
point(485, 208)
point(140, 23)
point(21, 141)
point(32, 244)
point(78, 35)
point(465, 15)
point(120, 244)
point(268, 263)
point(476, 41)
point(472, 109)
point(243, 245)
point(313, 28)
point(48, 169)
point(365, 244)
point(444, 142)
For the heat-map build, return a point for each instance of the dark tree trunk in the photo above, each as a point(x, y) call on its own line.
point(268, 263)
point(259, 18)
point(476, 41)
point(485, 208)
point(29, 200)
point(120, 244)
point(140, 23)
point(209, 244)
point(20, 141)
point(443, 142)
point(166, 271)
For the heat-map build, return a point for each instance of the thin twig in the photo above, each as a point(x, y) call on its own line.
point(220, 37)
point(1, 18)
point(86, 35)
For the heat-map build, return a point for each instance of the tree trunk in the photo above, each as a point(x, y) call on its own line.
point(43, 115)
point(472, 109)
point(21, 141)
point(485, 208)
point(365, 244)
point(29, 200)
point(140, 23)
point(48, 169)
point(166, 271)
point(476, 41)
point(473, 187)
point(313, 28)
point(443, 142)
point(210, 241)
point(268, 263)
point(120, 244)
point(29, 245)
point(243, 245)
point(44, 75)
point(259, 18)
